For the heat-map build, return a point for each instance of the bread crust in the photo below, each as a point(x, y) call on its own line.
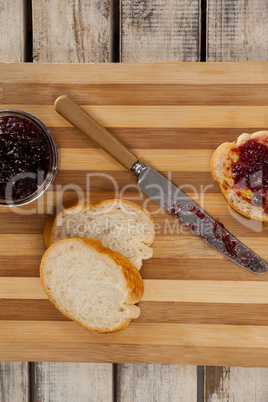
point(77, 206)
point(51, 219)
point(219, 155)
point(130, 272)
point(238, 204)
point(50, 227)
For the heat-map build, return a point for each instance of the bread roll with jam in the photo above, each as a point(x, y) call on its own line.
point(241, 170)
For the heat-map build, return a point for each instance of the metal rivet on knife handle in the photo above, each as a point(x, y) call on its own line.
point(79, 118)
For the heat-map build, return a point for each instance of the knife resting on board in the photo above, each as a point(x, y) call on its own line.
point(162, 191)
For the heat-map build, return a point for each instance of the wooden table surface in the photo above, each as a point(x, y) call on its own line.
point(132, 31)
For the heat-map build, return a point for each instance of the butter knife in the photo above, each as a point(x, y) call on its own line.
point(162, 191)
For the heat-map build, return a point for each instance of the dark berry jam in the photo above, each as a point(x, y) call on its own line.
point(229, 244)
point(24, 157)
point(214, 230)
point(251, 170)
point(197, 212)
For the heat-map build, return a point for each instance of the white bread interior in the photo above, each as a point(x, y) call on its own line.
point(121, 225)
point(91, 284)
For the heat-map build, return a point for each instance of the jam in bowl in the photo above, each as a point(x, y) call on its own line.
point(28, 158)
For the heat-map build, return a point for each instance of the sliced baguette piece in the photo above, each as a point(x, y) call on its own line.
point(121, 225)
point(217, 169)
point(91, 284)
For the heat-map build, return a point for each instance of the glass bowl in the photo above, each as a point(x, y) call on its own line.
point(54, 159)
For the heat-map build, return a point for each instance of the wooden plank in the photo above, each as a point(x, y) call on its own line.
point(72, 32)
point(73, 382)
point(87, 159)
point(212, 202)
point(236, 384)
point(134, 73)
point(238, 345)
point(16, 223)
point(250, 337)
point(157, 383)
point(103, 181)
point(14, 382)
point(156, 31)
point(245, 292)
point(182, 313)
point(160, 116)
point(236, 30)
point(12, 31)
point(151, 138)
point(168, 246)
point(181, 268)
point(139, 94)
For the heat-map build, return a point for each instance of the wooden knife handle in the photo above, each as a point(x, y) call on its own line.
point(79, 118)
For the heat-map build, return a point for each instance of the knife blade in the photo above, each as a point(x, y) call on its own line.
point(163, 192)
point(187, 212)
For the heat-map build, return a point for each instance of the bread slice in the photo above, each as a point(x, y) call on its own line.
point(219, 173)
point(91, 284)
point(121, 225)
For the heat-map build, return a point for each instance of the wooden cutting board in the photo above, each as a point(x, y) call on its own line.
point(198, 307)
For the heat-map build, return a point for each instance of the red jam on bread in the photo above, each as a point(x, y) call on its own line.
point(246, 171)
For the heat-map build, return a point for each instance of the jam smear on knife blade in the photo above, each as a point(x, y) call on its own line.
point(230, 246)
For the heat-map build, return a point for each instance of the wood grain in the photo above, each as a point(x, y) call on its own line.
point(73, 382)
point(212, 342)
point(177, 245)
point(160, 116)
point(135, 73)
point(188, 293)
point(29, 309)
point(16, 223)
point(183, 268)
point(236, 384)
point(157, 382)
point(152, 312)
point(140, 94)
point(156, 31)
point(160, 268)
point(246, 292)
point(76, 32)
point(73, 31)
point(235, 30)
point(167, 159)
point(250, 337)
point(188, 181)
point(195, 269)
point(14, 382)
point(12, 45)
